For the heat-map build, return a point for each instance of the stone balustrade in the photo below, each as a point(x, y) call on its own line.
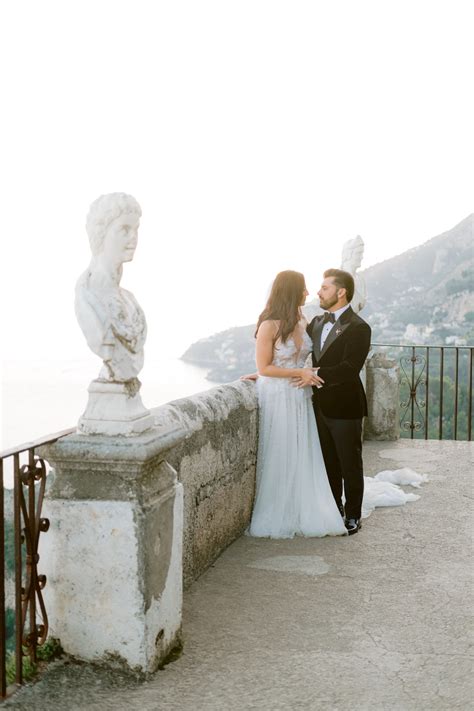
point(382, 387)
point(216, 465)
point(121, 509)
point(134, 517)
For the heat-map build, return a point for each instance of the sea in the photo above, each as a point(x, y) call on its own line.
point(42, 397)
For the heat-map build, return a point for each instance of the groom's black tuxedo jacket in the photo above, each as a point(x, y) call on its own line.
point(340, 362)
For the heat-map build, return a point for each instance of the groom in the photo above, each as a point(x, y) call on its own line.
point(341, 342)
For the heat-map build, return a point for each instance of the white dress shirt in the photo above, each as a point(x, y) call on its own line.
point(327, 326)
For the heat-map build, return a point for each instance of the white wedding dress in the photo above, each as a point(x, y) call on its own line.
point(293, 496)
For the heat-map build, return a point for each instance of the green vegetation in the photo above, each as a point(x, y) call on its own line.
point(10, 573)
point(9, 548)
point(460, 284)
point(436, 390)
point(10, 628)
point(29, 670)
point(50, 650)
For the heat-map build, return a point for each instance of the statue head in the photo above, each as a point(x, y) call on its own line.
point(112, 226)
point(352, 253)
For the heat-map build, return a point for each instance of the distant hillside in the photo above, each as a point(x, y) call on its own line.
point(425, 295)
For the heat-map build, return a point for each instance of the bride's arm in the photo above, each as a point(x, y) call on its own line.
point(264, 357)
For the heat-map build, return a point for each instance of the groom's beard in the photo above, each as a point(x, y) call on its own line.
point(327, 303)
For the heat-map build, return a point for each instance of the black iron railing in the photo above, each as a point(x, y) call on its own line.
point(24, 627)
point(435, 390)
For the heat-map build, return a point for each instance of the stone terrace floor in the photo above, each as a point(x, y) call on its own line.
point(380, 620)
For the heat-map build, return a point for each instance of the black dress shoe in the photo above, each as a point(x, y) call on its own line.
point(352, 525)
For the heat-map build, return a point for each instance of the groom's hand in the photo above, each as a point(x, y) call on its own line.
point(309, 377)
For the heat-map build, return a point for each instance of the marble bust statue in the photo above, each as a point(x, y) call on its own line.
point(110, 317)
point(352, 254)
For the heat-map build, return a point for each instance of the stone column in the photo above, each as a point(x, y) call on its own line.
point(383, 397)
point(113, 553)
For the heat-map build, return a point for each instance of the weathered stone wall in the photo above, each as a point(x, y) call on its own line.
point(383, 398)
point(113, 553)
point(216, 464)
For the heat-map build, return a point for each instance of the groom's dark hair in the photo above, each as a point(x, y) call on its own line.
point(343, 280)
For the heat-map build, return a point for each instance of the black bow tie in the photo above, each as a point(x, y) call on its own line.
point(329, 317)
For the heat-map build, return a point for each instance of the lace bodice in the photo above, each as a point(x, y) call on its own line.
point(289, 355)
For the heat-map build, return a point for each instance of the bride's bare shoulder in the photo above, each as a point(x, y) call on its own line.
point(269, 327)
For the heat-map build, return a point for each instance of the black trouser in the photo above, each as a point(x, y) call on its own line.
point(341, 442)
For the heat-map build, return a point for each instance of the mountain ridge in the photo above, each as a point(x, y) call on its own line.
point(424, 295)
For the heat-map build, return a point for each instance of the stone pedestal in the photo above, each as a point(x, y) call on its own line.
point(113, 553)
point(383, 397)
point(115, 409)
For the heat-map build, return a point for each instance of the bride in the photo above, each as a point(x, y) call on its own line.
point(293, 496)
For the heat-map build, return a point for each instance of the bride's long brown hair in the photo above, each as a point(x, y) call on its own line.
point(284, 303)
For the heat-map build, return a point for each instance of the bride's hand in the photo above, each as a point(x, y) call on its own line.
point(309, 376)
point(251, 376)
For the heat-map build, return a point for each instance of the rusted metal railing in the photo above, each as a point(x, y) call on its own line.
point(25, 527)
point(435, 390)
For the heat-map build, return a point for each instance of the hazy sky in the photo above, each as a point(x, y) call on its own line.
point(257, 136)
